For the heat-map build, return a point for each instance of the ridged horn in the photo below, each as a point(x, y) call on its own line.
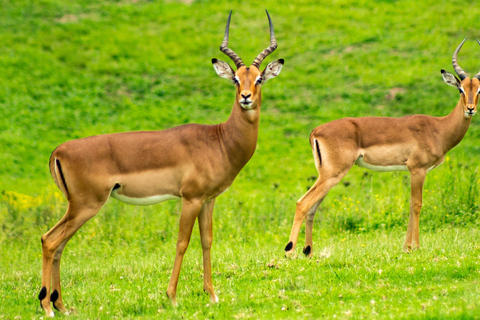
point(224, 47)
point(478, 74)
point(456, 67)
point(273, 45)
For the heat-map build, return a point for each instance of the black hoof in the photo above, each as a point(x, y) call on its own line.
point(307, 250)
point(289, 246)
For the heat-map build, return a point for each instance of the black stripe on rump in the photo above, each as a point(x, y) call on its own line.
point(61, 175)
point(317, 148)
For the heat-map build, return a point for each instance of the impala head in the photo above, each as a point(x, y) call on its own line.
point(248, 80)
point(469, 88)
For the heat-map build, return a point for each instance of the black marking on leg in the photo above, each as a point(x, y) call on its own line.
point(42, 294)
point(289, 246)
point(318, 151)
point(307, 250)
point(117, 185)
point(53, 298)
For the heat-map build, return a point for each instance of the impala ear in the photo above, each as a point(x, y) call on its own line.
point(450, 79)
point(223, 69)
point(272, 70)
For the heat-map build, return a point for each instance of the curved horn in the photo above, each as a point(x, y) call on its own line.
point(478, 74)
point(229, 52)
point(273, 45)
point(456, 67)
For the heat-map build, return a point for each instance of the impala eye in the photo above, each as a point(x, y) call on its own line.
point(460, 90)
point(236, 80)
point(258, 81)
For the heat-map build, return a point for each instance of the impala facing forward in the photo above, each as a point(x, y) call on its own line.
point(192, 162)
point(415, 143)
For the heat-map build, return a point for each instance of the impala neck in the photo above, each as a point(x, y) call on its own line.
point(455, 126)
point(239, 134)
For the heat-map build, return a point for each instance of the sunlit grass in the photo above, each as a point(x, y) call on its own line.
point(362, 275)
point(120, 262)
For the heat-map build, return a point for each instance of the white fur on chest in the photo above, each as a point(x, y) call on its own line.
point(143, 201)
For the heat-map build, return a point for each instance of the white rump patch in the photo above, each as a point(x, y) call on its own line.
point(361, 163)
point(143, 201)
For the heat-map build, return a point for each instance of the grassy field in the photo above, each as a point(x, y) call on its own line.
point(74, 69)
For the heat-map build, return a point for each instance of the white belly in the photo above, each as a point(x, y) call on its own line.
point(143, 201)
point(372, 167)
point(361, 163)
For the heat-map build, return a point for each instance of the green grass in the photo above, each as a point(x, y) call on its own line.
point(362, 274)
point(73, 69)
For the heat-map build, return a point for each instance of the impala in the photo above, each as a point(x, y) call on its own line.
point(194, 163)
point(416, 143)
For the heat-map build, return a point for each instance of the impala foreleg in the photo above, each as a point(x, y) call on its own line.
point(190, 211)
point(53, 243)
point(412, 238)
point(206, 235)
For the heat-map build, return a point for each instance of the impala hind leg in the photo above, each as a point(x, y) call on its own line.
point(190, 211)
point(332, 165)
point(308, 204)
point(56, 289)
point(308, 249)
point(412, 239)
point(53, 243)
point(56, 296)
point(206, 235)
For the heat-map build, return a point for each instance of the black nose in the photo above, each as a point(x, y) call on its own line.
point(470, 109)
point(245, 96)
